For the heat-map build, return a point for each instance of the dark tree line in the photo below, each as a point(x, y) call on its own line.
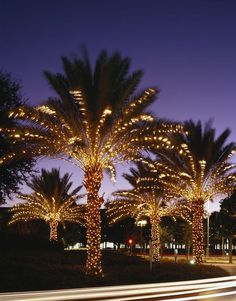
point(16, 171)
point(223, 224)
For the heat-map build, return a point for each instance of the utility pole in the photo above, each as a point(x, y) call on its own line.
point(208, 235)
point(208, 232)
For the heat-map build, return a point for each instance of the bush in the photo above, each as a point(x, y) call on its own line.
point(13, 241)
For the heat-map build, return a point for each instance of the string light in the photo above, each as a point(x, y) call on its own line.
point(93, 145)
point(195, 183)
point(146, 202)
point(38, 207)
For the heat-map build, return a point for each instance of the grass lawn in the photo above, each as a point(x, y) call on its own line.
point(40, 269)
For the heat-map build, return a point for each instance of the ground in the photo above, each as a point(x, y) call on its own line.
point(53, 269)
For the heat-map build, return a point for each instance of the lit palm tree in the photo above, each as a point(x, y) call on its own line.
point(146, 200)
point(199, 172)
point(95, 122)
point(50, 201)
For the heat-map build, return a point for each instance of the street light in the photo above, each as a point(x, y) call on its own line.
point(208, 235)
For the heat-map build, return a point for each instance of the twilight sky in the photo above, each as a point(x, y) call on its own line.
point(187, 48)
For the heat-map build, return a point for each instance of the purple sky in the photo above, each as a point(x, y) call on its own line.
point(186, 47)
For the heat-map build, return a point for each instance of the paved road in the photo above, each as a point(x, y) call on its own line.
point(205, 289)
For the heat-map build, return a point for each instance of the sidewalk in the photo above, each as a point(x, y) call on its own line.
point(228, 267)
point(219, 259)
point(223, 263)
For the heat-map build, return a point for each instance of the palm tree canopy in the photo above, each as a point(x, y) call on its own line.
point(201, 169)
point(50, 184)
point(96, 120)
point(50, 200)
point(147, 198)
point(109, 84)
point(131, 203)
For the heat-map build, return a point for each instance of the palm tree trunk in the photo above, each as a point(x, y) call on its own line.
point(53, 230)
point(197, 231)
point(92, 183)
point(155, 234)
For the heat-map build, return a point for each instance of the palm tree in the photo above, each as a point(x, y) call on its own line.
point(94, 122)
point(199, 172)
point(145, 201)
point(50, 201)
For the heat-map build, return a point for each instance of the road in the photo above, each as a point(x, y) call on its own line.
point(214, 289)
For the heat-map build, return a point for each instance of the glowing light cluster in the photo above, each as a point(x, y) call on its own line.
point(192, 180)
point(37, 207)
point(50, 201)
point(93, 144)
point(92, 183)
point(149, 204)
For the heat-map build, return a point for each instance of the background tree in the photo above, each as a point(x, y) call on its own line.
point(216, 230)
point(177, 231)
point(16, 171)
point(50, 201)
point(73, 233)
point(95, 121)
point(166, 233)
point(120, 232)
point(227, 216)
